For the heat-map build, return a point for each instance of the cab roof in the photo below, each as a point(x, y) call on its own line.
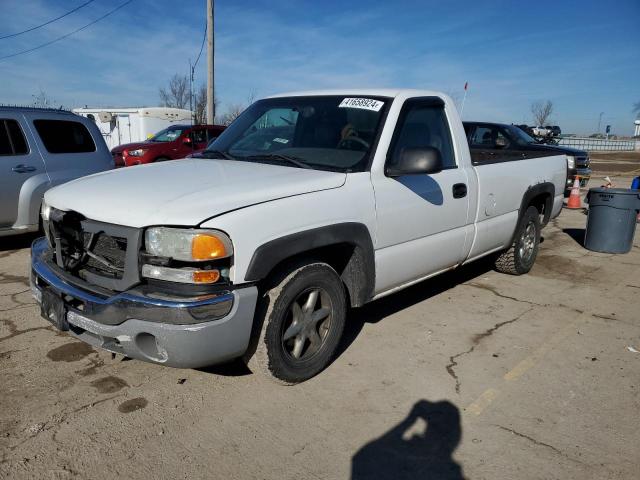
point(373, 92)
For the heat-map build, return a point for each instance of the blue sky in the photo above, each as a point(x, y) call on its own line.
point(582, 55)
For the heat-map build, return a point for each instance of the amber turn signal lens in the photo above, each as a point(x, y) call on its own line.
point(206, 276)
point(207, 247)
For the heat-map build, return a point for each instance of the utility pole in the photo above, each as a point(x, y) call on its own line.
point(211, 109)
point(191, 92)
point(600, 121)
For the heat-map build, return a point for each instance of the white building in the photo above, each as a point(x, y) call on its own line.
point(126, 125)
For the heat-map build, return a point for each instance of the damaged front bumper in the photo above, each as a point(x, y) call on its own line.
point(184, 332)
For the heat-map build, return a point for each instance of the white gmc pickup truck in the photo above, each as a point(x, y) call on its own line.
point(308, 204)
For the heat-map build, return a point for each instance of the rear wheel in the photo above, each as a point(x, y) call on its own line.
point(299, 325)
point(521, 256)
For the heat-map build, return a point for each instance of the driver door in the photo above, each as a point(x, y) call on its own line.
point(422, 220)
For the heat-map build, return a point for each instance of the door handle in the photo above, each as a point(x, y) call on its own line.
point(459, 190)
point(22, 168)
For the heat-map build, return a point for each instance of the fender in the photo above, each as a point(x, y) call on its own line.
point(358, 273)
point(548, 190)
point(30, 199)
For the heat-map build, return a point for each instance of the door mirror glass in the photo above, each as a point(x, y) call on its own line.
point(415, 161)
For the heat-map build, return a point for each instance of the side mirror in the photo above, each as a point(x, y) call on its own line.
point(501, 142)
point(186, 140)
point(415, 161)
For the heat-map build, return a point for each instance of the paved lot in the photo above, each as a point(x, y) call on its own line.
point(472, 374)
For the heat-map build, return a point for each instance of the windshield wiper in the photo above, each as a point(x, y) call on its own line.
point(279, 156)
point(218, 153)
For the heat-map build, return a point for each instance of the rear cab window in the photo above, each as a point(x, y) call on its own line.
point(64, 136)
point(12, 141)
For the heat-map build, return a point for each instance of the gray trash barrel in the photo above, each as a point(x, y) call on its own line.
point(611, 223)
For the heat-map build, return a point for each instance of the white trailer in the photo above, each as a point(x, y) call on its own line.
point(127, 125)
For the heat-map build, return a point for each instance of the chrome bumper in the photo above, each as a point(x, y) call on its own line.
point(178, 332)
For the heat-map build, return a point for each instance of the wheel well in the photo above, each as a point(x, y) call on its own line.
point(346, 259)
point(540, 196)
point(540, 202)
point(346, 247)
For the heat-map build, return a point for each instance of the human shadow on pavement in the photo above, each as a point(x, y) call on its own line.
point(404, 453)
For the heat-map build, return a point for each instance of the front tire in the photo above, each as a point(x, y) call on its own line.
point(521, 256)
point(299, 325)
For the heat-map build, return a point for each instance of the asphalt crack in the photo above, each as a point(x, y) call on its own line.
point(475, 340)
point(493, 290)
point(538, 443)
point(14, 331)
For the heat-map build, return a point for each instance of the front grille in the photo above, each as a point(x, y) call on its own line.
point(101, 254)
point(105, 255)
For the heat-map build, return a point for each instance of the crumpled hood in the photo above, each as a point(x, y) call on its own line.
point(184, 192)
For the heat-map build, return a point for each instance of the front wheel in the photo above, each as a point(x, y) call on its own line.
point(298, 328)
point(521, 256)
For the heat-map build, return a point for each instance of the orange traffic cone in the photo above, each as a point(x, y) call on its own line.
point(574, 199)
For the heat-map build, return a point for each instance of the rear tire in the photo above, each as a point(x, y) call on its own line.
point(521, 256)
point(299, 324)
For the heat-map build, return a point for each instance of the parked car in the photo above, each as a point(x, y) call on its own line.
point(176, 141)
point(41, 148)
point(496, 142)
point(257, 250)
point(554, 130)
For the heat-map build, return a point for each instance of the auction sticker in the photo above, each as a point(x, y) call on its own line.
point(363, 103)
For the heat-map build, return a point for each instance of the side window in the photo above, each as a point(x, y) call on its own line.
point(12, 141)
point(64, 136)
point(199, 135)
point(488, 137)
point(424, 125)
point(482, 137)
point(5, 144)
point(212, 134)
point(17, 138)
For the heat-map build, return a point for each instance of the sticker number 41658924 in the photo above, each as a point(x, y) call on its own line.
point(364, 103)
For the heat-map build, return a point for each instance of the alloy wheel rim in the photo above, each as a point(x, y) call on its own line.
point(306, 328)
point(528, 242)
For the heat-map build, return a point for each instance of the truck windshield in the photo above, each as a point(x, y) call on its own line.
point(168, 134)
point(322, 132)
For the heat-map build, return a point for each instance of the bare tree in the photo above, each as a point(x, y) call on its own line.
point(541, 112)
point(177, 95)
point(235, 109)
point(42, 100)
point(200, 105)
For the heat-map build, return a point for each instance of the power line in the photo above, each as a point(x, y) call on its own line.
point(204, 38)
point(47, 23)
point(68, 34)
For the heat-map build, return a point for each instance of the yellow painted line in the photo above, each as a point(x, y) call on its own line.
point(540, 352)
point(490, 394)
point(483, 401)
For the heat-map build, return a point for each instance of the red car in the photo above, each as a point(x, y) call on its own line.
point(176, 141)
